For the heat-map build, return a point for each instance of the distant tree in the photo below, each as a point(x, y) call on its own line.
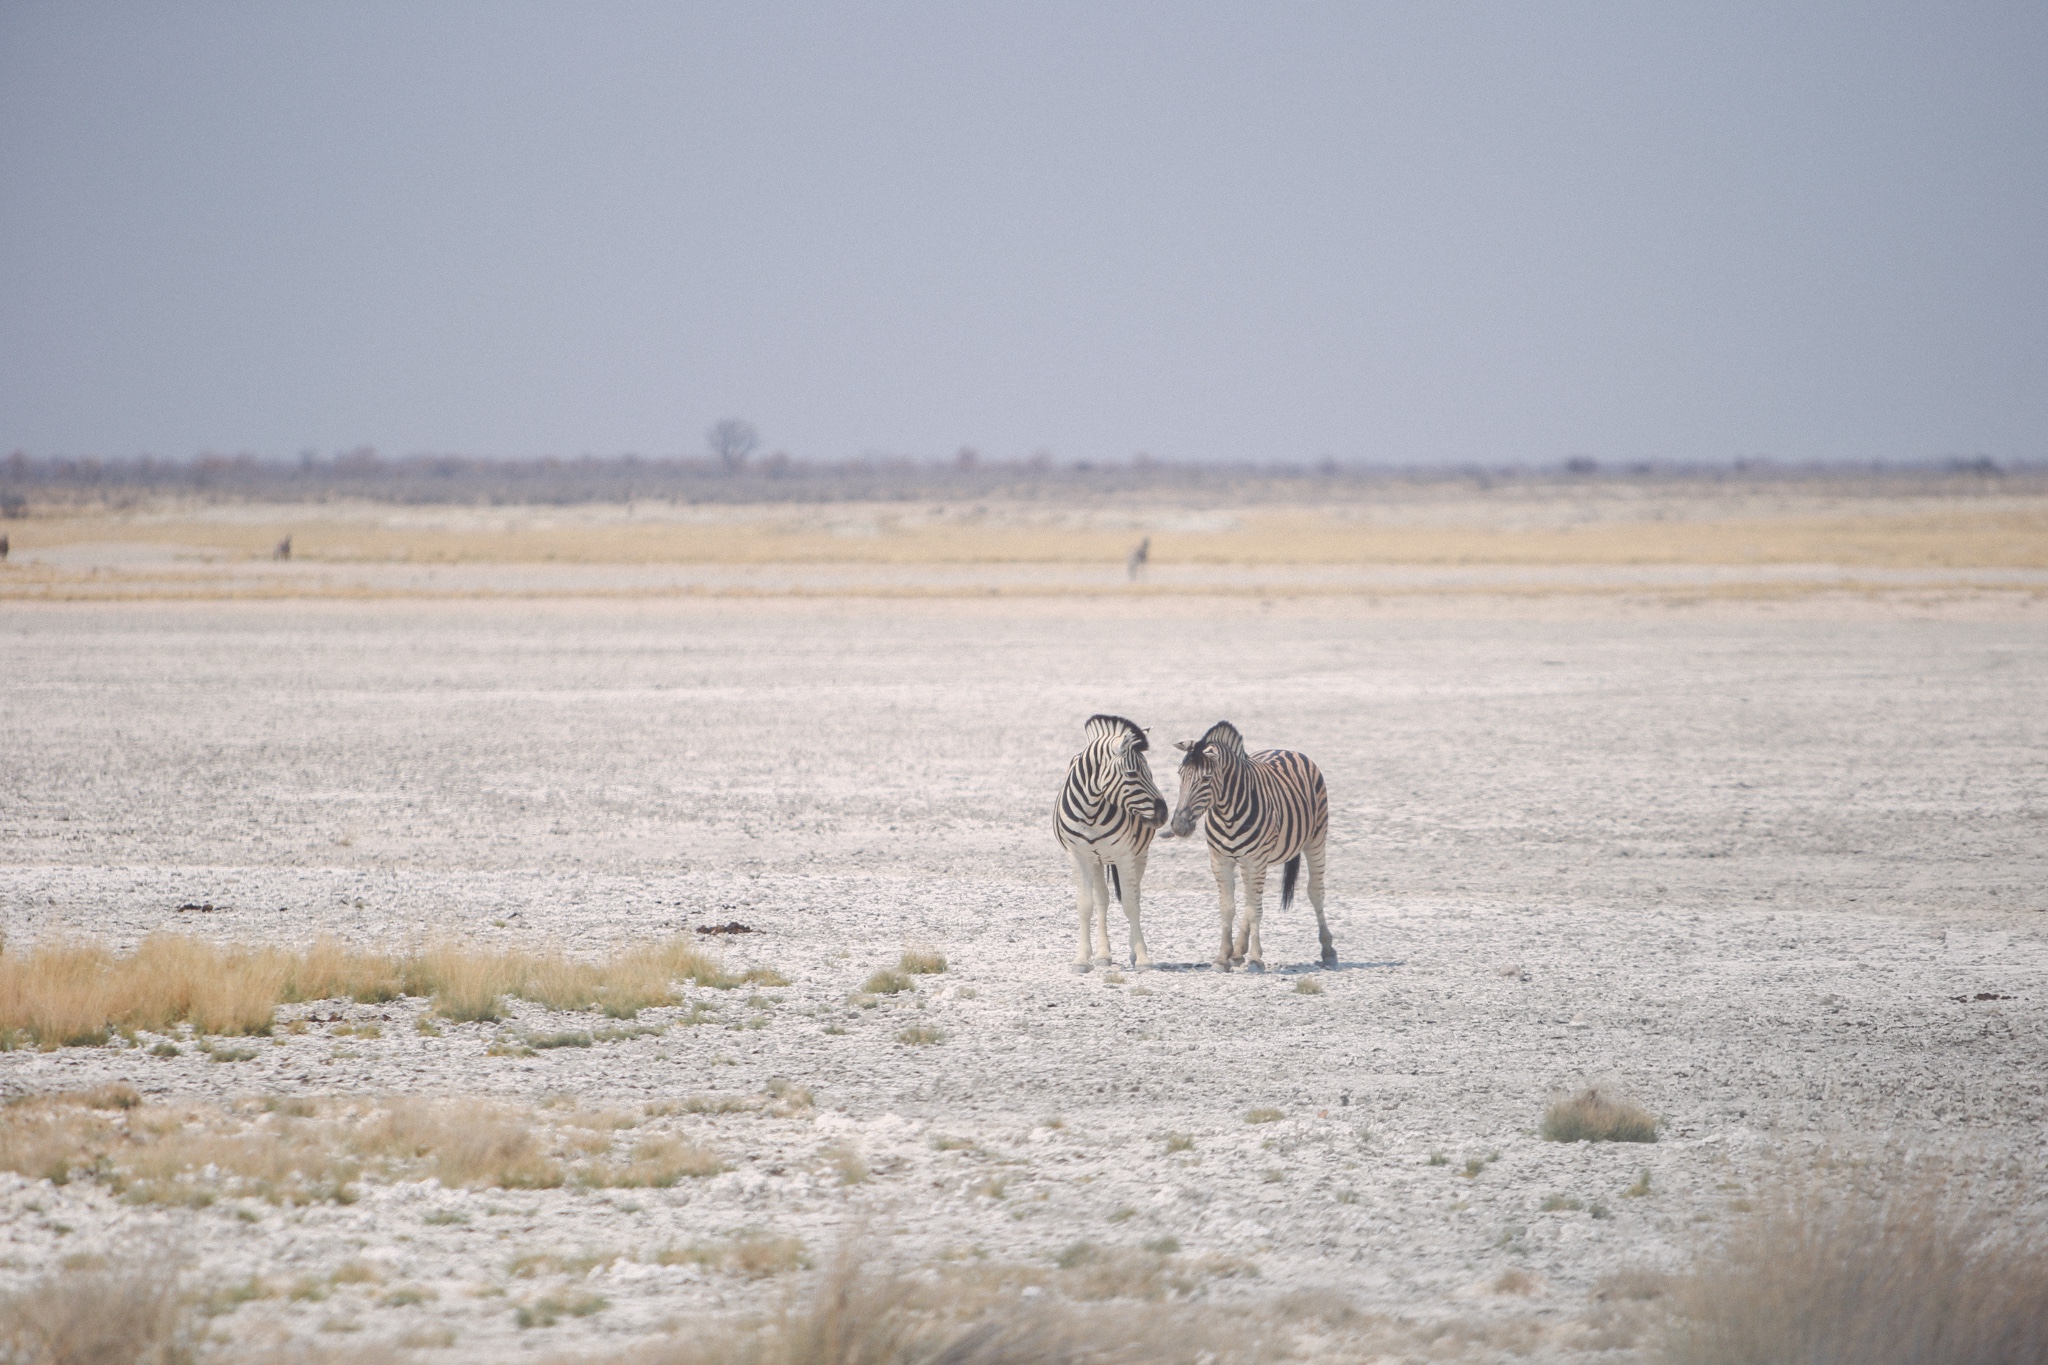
point(732, 441)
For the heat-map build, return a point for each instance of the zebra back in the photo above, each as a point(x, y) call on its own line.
point(1265, 807)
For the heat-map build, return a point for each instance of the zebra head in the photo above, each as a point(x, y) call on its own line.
point(1200, 759)
point(1127, 774)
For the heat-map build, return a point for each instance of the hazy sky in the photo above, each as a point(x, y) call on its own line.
point(1382, 232)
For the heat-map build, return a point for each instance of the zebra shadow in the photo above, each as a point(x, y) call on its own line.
point(1291, 969)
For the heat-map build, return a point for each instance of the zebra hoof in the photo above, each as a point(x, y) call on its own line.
point(1105, 962)
point(1329, 957)
point(1221, 964)
point(1079, 968)
point(1255, 966)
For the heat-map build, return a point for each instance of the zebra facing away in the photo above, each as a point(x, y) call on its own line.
point(1260, 809)
point(1107, 813)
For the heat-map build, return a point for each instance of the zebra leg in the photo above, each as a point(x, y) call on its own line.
point(1226, 896)
point(1099, 883)
point(1315, 898)
point(1084, 899)
point(1248, 946)
point(1129, 874)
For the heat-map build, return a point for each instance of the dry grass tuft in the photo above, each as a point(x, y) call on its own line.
point(77, 994)
point(965, 1317)
point(1515, 1282)
point(64, 994)
point(845, 1158)
point(657, 1163)
point(1911, 1277)
point(887, 981)
point(125, 1316)
point(920, 962)
point(1590, 1116)
point(465, 1142)
point(299, 1152)
point(921, 1034)
point(1263, 1116)
point(1308, 985)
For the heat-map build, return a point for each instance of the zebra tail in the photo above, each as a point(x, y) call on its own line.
point(1116, 888)
point(1287, 876)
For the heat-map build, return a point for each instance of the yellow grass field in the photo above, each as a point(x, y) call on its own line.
point(2007, 534)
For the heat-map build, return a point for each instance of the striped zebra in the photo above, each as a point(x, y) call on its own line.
point(1263, 808)
point(1107, 813)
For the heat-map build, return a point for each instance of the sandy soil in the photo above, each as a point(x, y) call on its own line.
point(1738, 858)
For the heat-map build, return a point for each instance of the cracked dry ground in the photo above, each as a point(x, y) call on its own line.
point(1773, 869)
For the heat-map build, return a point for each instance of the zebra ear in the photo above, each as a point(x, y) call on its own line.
point(1183, 744)
point(1208, 751)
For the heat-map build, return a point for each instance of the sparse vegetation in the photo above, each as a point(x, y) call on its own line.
point(846, 1160)
point(1179, 1142)
point(62, 994)
point(657, 1162)
point(1263, 1116)
point(887, 981)
point(1561, 1202)
point(1906, 1274)
point(789, 1097)
point(1640, 1188)
point(921, 1034)
point(549, 1309)
point(1515, 1281)
point(1308, 985)
point(1590, 1116)
point(291, 1152)
point(921, 962)
point(99, 1316)
point(754, 1255)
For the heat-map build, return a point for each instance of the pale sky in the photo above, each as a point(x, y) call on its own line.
point(1387, 233)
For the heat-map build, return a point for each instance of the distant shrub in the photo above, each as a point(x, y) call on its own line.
point(1590, 1116)
point(919, 962)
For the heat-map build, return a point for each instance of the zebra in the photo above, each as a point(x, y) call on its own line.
point(1107, 812)
point(1264, 808)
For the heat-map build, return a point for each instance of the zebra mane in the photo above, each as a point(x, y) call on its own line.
point(1103, 725)
point(1222, 734)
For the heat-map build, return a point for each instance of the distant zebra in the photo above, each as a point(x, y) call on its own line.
point(283, 550)
point(1139, 557)
point(1107, 813)
point(1260, 809)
